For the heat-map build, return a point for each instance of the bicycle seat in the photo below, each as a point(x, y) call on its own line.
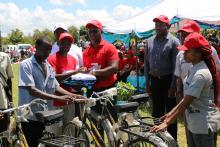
point(127, 107)
point(50, 116)
point(140, 98)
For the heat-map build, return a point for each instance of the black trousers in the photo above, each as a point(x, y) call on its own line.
point(33, 131)
point(4, 122)
point(161, 103)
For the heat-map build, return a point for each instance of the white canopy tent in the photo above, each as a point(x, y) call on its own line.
point(203, 10)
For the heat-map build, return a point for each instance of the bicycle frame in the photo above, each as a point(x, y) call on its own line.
point(87, 116)
point(16, 134)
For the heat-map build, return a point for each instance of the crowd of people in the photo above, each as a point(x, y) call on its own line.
point(182, 76)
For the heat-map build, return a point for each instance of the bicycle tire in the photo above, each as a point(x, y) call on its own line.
point(168, 139)
point(21, 141)
point(150, 139)
point(73, 130)
point(109, 133)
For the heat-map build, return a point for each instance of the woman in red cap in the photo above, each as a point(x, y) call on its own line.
point(201, 89)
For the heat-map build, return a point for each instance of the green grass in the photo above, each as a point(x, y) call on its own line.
point(15, 68)
point(181, 129)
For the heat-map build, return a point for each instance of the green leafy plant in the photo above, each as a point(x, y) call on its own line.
point(124, 91)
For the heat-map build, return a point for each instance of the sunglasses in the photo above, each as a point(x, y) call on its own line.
point(93, 31)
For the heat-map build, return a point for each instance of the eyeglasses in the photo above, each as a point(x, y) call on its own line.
point(93, 31)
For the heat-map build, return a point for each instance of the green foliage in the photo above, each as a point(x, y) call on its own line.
point(16, 36)
point(44, 33)
point(5, 40)
point(124, 91)
point(74, 32)
point(83, 33)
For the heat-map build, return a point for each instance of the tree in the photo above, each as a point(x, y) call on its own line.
point(29, 39)
point(45, 33)
point(83, 33)
point(74, 32)
point(16, 37)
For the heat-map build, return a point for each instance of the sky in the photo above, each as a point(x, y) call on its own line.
point(28, 15)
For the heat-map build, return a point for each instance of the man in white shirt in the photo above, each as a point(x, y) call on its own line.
point(75, 51)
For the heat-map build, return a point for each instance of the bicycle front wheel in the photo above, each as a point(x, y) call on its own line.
point(109, 133)
point(75, 131)
point(151, 140)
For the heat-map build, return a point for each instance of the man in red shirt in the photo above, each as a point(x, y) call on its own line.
point(100, 58)
point(64, 65)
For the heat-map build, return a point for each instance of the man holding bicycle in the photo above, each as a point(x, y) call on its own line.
point(101, 60)
point(37, 80)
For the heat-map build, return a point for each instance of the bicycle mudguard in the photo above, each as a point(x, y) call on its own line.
point(140, 98)
point(126, 107)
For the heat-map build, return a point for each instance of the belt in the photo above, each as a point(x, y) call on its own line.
point(161, 77)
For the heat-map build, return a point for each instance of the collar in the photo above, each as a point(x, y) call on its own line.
point(102, 42)
point(198, 65)
point(164, 37)
point(33, 59)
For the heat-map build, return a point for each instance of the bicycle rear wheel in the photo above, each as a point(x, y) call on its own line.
point(75, 131)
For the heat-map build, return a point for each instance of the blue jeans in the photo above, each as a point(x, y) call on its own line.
point(200, 140)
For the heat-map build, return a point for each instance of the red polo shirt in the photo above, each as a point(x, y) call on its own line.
point(132, 61)
point(121, 63)
point(61, 64)
point(102, 55)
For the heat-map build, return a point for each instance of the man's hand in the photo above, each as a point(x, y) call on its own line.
point(82, 70)
point(68, 98)
point(158, 128)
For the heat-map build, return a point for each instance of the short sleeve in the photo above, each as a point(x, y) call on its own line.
point(25, 76)
point(177, 70)
point(9, 71)
point(112, 53)
point(196, 86)
point(51, 61)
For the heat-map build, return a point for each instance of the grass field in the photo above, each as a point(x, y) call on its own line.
point(181, 129)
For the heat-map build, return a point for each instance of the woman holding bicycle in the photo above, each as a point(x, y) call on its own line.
point(201, 89)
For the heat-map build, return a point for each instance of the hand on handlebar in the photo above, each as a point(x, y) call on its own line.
point(157, 128)
point(73, 98)
point(82, 70)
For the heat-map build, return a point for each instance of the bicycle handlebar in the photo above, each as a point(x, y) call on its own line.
point(23, 106)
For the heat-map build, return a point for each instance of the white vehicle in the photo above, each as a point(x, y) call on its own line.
point(23, 46)
point(9, 48)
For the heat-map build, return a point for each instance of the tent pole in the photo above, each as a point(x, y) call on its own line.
point(137, 67)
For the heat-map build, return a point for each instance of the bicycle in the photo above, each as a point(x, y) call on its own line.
point(137, 128)
point(86, 129)
point(14, 134)
point(52, 119)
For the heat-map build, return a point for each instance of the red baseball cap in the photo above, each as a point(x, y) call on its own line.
point(94, 23)
point(66, 35)
point(193, 40)
point(162, 18)
point(190, 26)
